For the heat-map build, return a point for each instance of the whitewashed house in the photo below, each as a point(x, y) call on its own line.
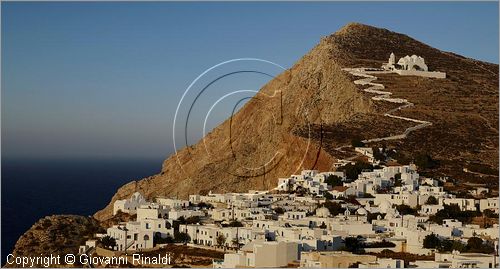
point(261, 254)
point(406, 198)
point(176, 214)
point(459, 260)
point(429, 210)
point(383, 263)
point(172, 203)
point(294, 215)
point(131, 236)
point(489, 203)
point(152, 211)
point(463, 203)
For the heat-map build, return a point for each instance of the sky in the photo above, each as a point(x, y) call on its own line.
point(103, 80)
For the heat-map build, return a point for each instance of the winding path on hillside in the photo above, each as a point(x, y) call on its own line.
point(381, 95)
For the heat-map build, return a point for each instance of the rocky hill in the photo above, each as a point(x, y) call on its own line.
point(56, 235)
point(321, 109)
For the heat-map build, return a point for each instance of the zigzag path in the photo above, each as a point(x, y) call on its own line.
point(381, 95)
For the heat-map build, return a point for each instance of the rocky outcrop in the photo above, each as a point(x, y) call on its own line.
point(56, 235)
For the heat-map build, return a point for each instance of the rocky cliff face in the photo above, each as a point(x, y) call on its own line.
point(261, 143)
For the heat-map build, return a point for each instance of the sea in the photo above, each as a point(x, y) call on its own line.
point(32, 189)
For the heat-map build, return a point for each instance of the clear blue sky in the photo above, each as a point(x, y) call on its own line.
point(103, 79)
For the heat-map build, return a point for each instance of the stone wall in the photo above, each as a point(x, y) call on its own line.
point(421, 73)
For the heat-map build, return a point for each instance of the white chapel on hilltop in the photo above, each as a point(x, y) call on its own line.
point(410, 65)
point(413, 62)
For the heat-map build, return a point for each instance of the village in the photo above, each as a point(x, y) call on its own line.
point(370, 212)
point(260, 134)
point(321, 219)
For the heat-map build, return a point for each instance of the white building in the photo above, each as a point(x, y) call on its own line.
point(413, 63)
point(138, 235)
point(429, 210)
point(89, 244)
point(172, 203)
point(129, 205)
point(411, 66)
point(367, 151)
point(333, 259)
point(383, 263)
point(463, 203)
point(151, 211)
point(261, 254)
point(459, 260)
point(294, 215)
point(489, 203)
point(407, 198)
point(176, 214)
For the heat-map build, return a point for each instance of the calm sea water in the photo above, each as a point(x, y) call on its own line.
point(32, 189)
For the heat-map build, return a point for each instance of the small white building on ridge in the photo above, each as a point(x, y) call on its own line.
point(411, 66)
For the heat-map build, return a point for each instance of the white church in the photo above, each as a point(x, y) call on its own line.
point(411, 66)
